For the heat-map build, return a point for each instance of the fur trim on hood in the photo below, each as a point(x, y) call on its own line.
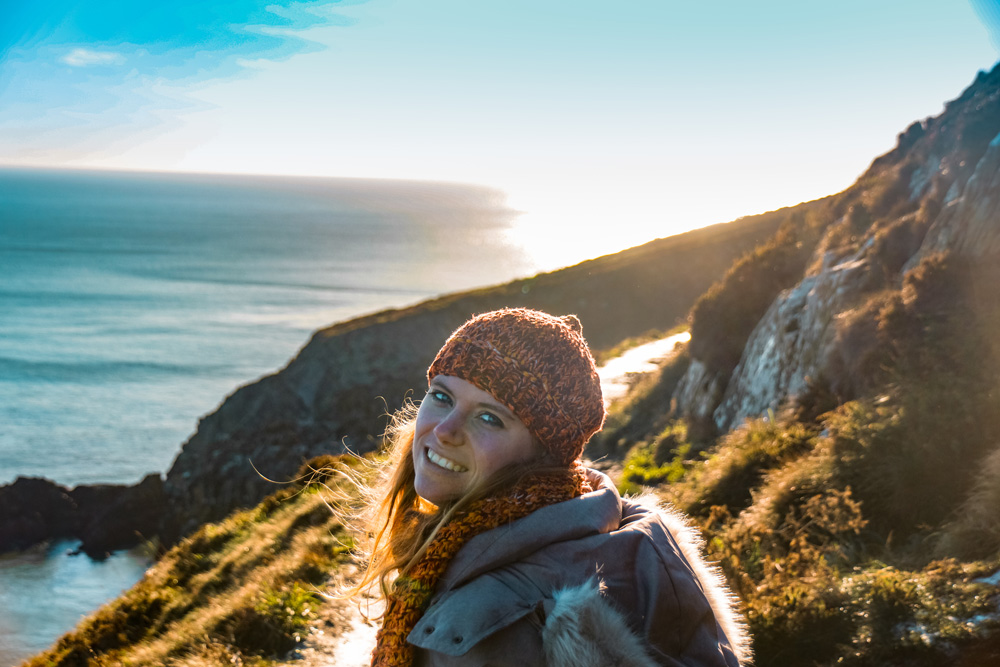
point(584, 630)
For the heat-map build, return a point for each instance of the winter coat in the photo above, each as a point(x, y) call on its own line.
point(593, 581)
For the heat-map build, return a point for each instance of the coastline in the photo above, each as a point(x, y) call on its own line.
point(383, 354)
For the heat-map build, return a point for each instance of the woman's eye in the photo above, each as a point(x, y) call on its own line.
point(439, 397)
point(491, 419)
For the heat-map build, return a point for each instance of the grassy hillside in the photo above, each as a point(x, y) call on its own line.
point(859, 530)
point(243, 591)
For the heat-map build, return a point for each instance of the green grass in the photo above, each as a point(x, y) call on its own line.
point(663, 460)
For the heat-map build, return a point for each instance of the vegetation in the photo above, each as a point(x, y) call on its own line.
point(643, 413)
point(723, 318)
point(831, 527)
point(663, 460)
point(243, 591)
point(862, 532)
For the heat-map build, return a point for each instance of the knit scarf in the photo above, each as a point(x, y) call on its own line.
point(411, 593)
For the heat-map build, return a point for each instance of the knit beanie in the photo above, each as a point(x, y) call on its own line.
point(537, 365)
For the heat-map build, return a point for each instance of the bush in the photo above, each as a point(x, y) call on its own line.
point(656, 462)
point(738, 464)
point(911, 454)
point(724, 317)
point(975, 531)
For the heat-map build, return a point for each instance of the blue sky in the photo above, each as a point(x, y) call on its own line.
point(644, 116)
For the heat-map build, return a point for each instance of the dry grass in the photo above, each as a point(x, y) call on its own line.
point(738, 463)
point(241, 591)
point(975, 532)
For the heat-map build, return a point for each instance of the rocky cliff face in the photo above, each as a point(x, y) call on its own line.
point(103, 517)
point(793, 342)
point(937, 191)
point(969, 224)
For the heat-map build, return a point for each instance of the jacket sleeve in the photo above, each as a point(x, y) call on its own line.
point(676, 600)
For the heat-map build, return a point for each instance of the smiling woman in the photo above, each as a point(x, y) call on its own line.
point(493, 544)
point(462, 438)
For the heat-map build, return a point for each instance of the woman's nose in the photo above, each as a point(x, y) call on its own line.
point(449, 430)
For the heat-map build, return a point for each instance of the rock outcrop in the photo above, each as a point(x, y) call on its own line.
point(969, 224)
point(937, 191)
point(102, 517)
point(793, 342)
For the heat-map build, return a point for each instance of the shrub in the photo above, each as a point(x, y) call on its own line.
point(975, 530)
point(723, 318)
point(914, 618)
point(894, 245)
point(911, 455)
point(864, 355)
point(738, 464)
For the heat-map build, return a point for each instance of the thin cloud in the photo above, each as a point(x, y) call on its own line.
point(86, 58)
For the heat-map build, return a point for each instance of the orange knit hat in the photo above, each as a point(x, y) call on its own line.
point(537, 365)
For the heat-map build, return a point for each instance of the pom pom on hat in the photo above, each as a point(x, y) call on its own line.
point(536, 364)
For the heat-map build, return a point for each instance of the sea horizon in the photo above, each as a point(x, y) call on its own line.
point(134, 303)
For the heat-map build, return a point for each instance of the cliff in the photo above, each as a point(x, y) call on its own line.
point(937, 192)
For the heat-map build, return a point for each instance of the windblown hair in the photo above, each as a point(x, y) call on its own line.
point(397, 524)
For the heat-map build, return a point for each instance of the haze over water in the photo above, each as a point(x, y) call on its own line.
point(132, 304)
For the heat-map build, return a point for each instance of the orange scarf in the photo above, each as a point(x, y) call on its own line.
point(410, 594)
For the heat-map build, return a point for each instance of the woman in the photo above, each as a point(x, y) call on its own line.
point(495, 546)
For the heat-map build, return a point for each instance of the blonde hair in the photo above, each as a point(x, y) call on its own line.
point(397, 524)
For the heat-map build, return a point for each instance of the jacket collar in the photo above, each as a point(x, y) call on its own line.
point(599, 511)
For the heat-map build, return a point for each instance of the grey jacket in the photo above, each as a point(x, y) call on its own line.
point(596, 580)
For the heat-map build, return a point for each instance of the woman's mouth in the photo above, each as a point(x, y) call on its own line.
point(442, 462)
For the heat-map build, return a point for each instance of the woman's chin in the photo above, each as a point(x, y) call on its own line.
point(434, 495)
point(437, 485)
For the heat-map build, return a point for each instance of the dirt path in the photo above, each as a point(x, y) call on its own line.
point(340, 636)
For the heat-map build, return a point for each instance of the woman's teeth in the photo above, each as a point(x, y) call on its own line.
point(445, 463)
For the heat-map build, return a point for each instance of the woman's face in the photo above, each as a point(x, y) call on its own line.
point(463, 437)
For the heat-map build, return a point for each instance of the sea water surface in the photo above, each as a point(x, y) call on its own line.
point(132, 304)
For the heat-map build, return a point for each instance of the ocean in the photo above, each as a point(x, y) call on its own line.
point(131, 304)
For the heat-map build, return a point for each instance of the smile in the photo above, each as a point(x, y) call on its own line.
point(442, 462)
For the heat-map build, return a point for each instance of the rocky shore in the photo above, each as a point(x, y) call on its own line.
point(104, 517)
